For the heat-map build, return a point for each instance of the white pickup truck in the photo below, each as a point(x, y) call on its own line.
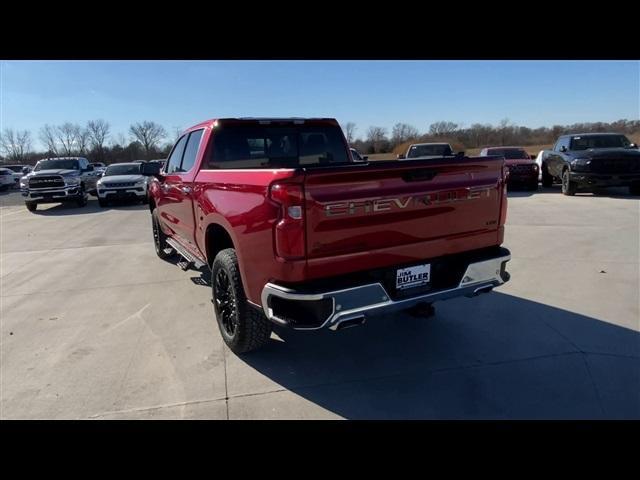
point(422, 150)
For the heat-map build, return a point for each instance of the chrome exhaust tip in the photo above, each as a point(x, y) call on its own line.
point(351, 322)
point(481, 290)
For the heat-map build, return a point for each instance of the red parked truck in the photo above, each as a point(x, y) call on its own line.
point(523, 170)
point(298, 234)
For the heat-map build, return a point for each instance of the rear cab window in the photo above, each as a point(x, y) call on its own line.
point(288, 146)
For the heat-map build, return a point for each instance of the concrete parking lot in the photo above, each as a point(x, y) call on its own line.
point(95, 326)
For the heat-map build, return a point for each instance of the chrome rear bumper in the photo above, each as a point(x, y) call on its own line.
point(372, 299)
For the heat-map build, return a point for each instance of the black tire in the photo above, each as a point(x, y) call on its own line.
point(102, 202)
point(82, 199)
point(243, 327)
point(533, 186)
point(547, 179)
point(568, 187)
point(31, 206)
point(634, 189)
point(160, 238)
point(144, 200)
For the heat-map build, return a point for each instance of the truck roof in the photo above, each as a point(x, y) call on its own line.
point(262, 120)
point(589, 134)
point(506, 146)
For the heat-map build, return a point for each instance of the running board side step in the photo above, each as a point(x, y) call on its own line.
point(190, 259)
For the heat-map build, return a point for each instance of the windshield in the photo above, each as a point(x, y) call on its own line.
point(290, 146)
point(57, 165)
point(599, 141)
point(123, 169)
point(510, 153)
point(429, 150)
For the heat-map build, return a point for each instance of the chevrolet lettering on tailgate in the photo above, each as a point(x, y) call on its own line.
point(386, 204)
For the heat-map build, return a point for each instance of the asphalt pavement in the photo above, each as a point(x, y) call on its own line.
point(95, 326)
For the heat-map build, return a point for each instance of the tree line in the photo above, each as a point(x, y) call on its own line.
point(148, 140)
point(380, 140)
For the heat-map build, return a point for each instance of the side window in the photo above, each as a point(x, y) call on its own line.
point(173, 163)
point(191, 151)
point(562, 141)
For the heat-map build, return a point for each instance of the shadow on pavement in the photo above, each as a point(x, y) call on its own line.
point(92, 206)
point(495, 356)
point(613, 192)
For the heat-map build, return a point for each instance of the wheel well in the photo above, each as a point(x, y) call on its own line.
point(216, 239)
point(152, 204)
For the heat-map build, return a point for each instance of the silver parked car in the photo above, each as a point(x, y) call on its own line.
point(6, 179)
point(122, 181)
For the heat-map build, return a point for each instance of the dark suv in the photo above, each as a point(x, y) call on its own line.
point(591, 161)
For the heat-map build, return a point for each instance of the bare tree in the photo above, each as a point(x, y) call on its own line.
point(441, 129)
point(377, 137)
point(402, 132)
point(83, 139)
point(67, 136)
point(148, 134)
point(15, 144)
point(98, 133)
point(504, 131)
point(119, 140)
point(177, 133)
point(48, 137)
point(350, 131)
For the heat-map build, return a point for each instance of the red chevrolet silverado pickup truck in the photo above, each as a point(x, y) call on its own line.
point(298, 234)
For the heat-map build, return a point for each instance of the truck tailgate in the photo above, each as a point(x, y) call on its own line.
point(387, 206)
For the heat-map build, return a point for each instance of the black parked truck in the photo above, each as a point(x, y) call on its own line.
point(591, 161)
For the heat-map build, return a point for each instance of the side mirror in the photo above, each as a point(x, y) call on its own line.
point(399, 157)
point(563, 148)
point(151, 169)
point(365, 157)
point(633, 145)
point(25, 170)
point(532, 157)
point(460, 154)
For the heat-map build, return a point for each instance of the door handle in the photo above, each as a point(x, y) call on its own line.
point(186, 190)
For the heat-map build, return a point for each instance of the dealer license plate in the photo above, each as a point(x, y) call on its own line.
point(415, 276)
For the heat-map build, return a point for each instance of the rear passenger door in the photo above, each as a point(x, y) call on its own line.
point(176, 204)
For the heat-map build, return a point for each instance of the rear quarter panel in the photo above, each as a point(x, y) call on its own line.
point(238, 201)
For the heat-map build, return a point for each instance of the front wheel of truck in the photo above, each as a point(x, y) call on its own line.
point(243, 327)
point(568, 187)
point(82, 198)
point(547, 179)
point(31, 206)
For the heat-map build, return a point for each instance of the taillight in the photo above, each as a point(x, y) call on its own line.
point(289, 230)
point(503, 203)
